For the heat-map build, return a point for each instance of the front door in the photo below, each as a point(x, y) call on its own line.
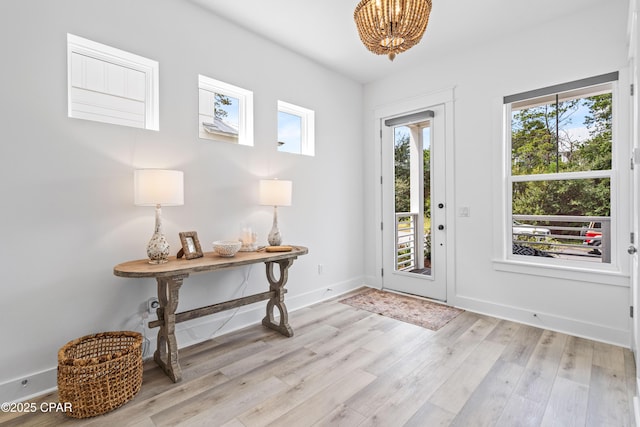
point(413, 200)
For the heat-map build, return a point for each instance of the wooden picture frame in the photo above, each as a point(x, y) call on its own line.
point(190, 245)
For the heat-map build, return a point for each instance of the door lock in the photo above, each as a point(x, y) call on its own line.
point(441, 205)
point(632, 250)
point(441, 227)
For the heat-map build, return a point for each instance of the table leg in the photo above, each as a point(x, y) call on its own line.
point(166, 355)
point(277, 301)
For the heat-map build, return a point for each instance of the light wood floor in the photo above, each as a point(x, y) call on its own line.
point(348, 367)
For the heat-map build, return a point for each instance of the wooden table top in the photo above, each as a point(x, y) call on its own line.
point(209, 262)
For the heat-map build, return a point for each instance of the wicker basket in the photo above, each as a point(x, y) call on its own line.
point(98, 373)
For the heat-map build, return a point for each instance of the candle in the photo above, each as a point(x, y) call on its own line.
point(247, 237)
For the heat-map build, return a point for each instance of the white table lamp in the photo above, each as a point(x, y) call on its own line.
point(157, 187)
point(275, 192)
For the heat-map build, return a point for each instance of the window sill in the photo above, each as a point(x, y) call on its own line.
point(602, 277)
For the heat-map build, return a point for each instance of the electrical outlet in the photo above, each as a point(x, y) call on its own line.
point(152, 304)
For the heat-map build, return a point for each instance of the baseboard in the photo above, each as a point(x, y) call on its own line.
point(323, 294)
point(373, 281)
point(29, 386)
point(636, 401)
point(206, 328)
point(592, 331)
point(187, 333)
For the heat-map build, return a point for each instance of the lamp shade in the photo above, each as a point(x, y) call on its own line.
point(158, 187)
point(275, 192)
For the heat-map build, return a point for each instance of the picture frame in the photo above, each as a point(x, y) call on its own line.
point(190, 245)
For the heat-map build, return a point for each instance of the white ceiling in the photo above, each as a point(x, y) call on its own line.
point(324, 31)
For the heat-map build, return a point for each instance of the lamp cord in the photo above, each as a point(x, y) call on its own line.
point(145, 341)
point(243, 286)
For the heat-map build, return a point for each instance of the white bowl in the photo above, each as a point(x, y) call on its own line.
point(227, 248)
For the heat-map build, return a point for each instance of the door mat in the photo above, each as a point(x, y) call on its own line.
point(408, 309)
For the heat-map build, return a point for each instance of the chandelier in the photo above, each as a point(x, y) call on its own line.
point(389, 27)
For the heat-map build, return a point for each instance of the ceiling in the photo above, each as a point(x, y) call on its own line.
point(325, 32)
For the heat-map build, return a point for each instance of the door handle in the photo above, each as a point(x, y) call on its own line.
point(632, 250)
point(441, 227)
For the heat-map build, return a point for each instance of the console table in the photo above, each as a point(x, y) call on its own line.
point(170, 276)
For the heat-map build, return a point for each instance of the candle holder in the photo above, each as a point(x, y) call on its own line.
point(249, 240)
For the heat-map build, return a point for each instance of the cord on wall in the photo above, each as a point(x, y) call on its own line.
point(243, 288)
point(145, 341)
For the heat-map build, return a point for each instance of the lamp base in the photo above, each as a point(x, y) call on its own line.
point(158, 247)
point(274, 238)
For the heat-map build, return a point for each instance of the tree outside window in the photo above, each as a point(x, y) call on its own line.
point(561, 151)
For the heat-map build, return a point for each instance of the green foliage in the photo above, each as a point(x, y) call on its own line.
point(403, 177)
point(426, 159)
point(219, 101)
point(541, 144)
point(427, 246)
point(402, 174)
point(588, 197)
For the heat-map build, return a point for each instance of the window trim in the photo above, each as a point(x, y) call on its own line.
point(577, 273)
point(102, 52)
point(563, 87)
point(307, 126)
point(615, 273)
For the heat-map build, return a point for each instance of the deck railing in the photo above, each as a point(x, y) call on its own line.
point(572, 237)
point(564, 236)
point(407, 234)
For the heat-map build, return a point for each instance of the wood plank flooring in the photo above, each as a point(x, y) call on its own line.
point(349, 367)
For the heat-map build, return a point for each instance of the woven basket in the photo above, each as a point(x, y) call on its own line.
point(98, 373)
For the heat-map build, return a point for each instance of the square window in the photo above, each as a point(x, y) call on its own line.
point(225, 112)
point(289, 133)
point(296, 129)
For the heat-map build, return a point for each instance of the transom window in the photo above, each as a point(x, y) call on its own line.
point(296, 129)
point(225, 112)
point(560, 187)
point(110, 85)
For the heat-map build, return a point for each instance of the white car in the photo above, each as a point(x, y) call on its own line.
point(521, 229)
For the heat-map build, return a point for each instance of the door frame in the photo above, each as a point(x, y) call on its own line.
point(421, 102)
point(634, 134)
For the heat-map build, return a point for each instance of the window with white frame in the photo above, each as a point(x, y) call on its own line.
point(560, 182)
point(110, 85)
point(225, 112)
point(296, 129)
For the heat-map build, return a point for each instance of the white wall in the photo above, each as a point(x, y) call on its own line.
point(590, 43)
point(66, 185)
